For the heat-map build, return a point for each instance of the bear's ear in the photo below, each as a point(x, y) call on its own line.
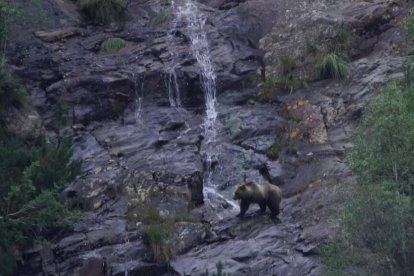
point(242, 188)
point(248, 183)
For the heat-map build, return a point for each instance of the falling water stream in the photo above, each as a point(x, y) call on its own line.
point(188, 13)
point(138, 88)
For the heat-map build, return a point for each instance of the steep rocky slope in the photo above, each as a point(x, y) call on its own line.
point(138, 152)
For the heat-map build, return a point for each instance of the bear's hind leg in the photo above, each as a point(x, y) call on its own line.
point(274, 209)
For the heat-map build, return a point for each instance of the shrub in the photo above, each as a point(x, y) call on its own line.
point(31, 179)
point(384, 142)
point(378, 222)
point(333, 66)
point(104, 11)
point(12, 91)
point(7, 13)
point(113, 45)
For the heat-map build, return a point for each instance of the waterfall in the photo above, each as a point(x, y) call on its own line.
point(173, 88)
point(189, 14)
point(138, 100)
point(171, 77)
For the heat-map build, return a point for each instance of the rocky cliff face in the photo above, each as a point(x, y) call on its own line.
point(139, 153)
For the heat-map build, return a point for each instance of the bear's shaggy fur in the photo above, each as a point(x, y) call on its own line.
point(264, 194)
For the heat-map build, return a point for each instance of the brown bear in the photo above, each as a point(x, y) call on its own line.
point(264, 194)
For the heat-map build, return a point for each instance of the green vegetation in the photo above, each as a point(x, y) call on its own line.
point(31, 179)
point(269, 87)
point(333, 66)
point(7, 14)
point(12, 92)
point(156, 235)
point(157, 229)
point(104, 11)
point(251, 102)
point(312, 47)
point(161, 17)
point(273, 151)
point(113, 45)
point(287, 80)
point(340, 43)
point(287, 64)
point(32, 174)
point(377, 223)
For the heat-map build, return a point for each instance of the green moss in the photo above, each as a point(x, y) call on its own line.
point(251, 102)
point(113, 45)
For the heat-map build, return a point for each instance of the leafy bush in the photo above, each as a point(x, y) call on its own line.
point(104, 11)
point(31, 178)
point(113, 45)
point(12, 91)
point(384, 143)
point(7, 12)
point(378, 221)
point(377, 236)
point(333, 66)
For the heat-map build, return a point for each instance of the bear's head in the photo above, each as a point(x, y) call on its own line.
point(242, 191)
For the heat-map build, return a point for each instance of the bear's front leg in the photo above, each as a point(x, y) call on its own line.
point(244, 205)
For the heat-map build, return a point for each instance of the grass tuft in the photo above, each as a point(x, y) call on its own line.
point(156, 236)
point(113, 45)
point(333, 66)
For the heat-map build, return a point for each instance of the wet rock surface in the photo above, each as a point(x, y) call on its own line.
point(138, 151)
